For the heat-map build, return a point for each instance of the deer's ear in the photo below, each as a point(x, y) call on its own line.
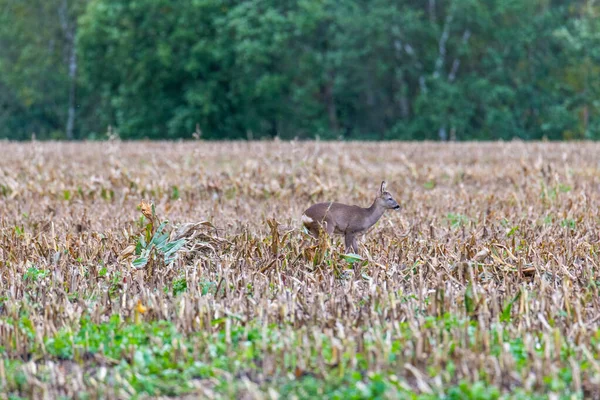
point(382, 188)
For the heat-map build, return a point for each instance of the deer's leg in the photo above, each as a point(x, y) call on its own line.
point(313, 230)
point(351, 245)
point(355, 245)
point(328, 226)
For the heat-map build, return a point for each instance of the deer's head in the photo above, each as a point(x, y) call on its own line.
point(385, 199)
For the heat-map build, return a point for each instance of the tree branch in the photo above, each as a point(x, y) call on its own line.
point(431, 9)
point(456, 63)
point(439, 63)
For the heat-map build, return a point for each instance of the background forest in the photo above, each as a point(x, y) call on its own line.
point(352, 69)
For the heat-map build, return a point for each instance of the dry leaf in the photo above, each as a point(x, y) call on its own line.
point(140, 308)
point(481, 255)
point(146, 209)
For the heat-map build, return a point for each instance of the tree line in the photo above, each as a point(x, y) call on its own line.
point(351, 69)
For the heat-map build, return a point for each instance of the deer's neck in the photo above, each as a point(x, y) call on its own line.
point(373, 214)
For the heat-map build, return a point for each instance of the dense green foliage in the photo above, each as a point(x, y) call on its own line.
point(153, 358)
point(378, 69)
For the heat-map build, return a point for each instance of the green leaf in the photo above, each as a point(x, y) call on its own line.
point(505, 316)
point(140, 262)
point(469, 300)
point(351, 258)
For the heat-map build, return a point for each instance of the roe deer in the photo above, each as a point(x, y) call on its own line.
point(347, 220)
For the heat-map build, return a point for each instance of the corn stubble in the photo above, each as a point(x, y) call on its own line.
point(488, 274)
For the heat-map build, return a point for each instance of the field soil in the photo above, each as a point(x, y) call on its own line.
point(182, 269)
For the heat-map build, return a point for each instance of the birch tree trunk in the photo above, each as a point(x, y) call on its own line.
point(330, 102)
point(72, 91)
point(439, 64)
point(69, 30)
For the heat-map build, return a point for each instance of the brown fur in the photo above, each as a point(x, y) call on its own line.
point(350, 221)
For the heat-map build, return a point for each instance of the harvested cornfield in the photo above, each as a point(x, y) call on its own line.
point(181, 269)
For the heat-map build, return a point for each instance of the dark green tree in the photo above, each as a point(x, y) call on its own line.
point(353, 69)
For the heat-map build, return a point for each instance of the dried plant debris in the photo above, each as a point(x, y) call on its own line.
point(155, 270)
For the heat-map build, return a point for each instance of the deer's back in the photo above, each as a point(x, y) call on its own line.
point(341, 215)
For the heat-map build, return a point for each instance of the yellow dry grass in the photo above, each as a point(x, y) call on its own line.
point(481, 225)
